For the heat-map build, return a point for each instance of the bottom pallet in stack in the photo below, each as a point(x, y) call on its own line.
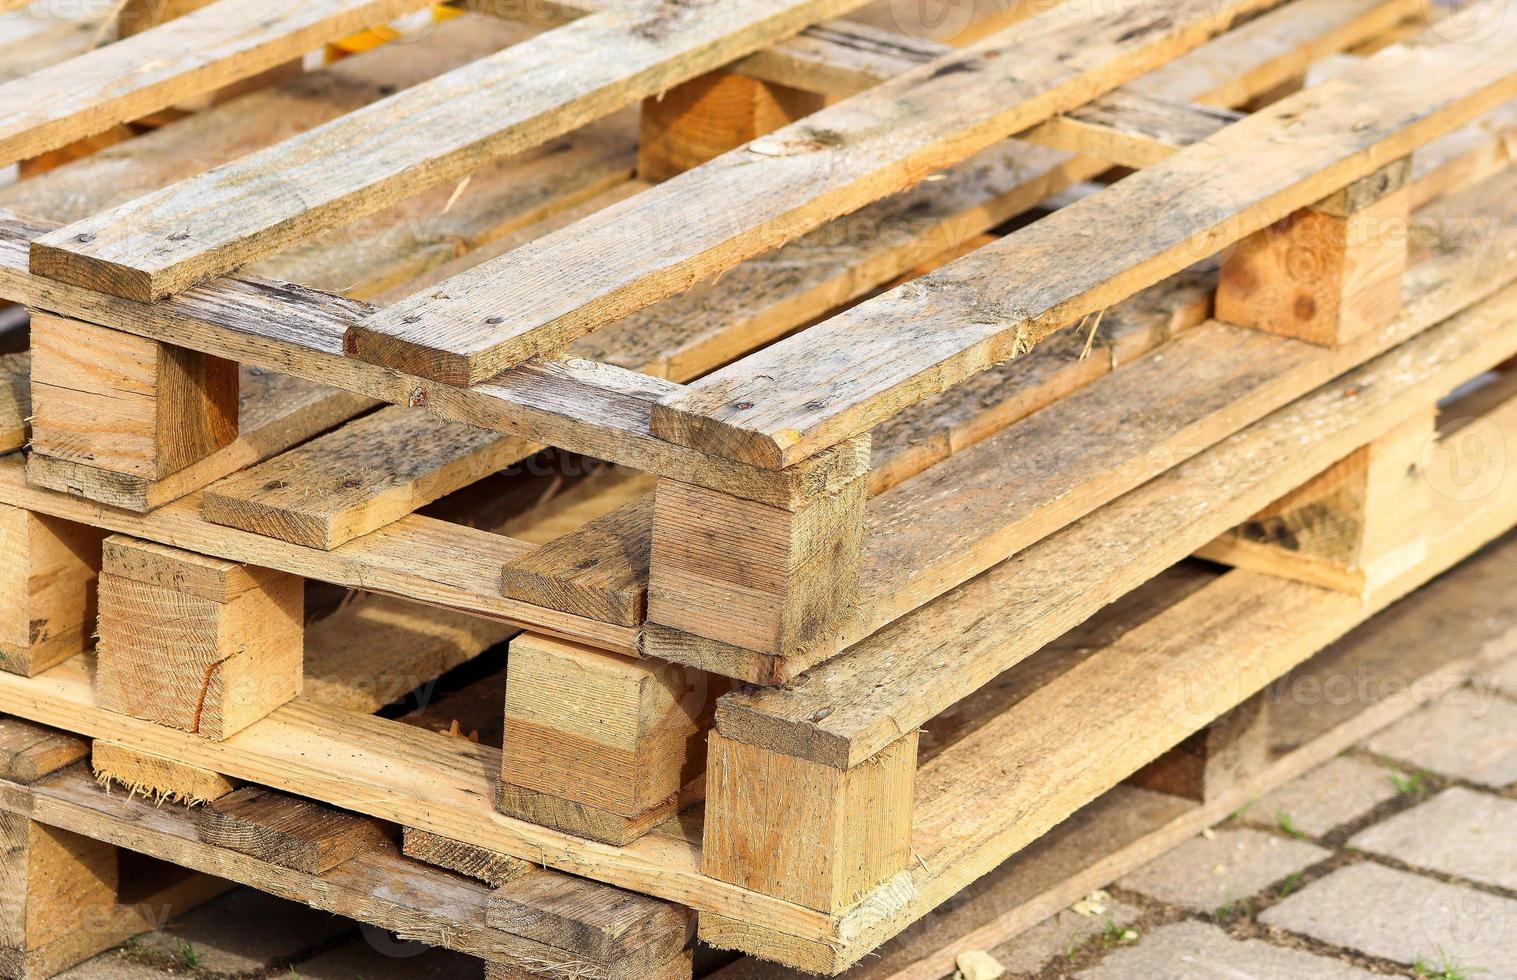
point(82, 852)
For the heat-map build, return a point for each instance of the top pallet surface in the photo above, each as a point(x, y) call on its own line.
point(630, 418)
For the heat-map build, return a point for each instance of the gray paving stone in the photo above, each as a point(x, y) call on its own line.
point(1054, 937)
point(246, 930)
point(384, 959)
point(1459, 832)
point(1502, 677)
point(1325, 798)
point(1402, 916)
point(1204, 874)
point(113, 966)
point(1467, 735)
point(1194, 951)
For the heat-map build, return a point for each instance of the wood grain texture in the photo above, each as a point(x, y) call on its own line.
point(65, 692)
point(162, 779)
point(709, 115)
point(1200, 657)
point(918, 547)
point(912, 669)
point(576, 404)
point(29, 751)
point(288, 831)
point(604, 925)
point(1131, 129)
point(1326, 273)
point(200, 644)
point(777, 188)
point(54, 881)
point(49, 569)
point(509, 102)
point(753, 576)
point(491, 867)
point(187, 56)
point(810, 834)
point(1413, 652)
point(1353, 527)
point(599, 570)
point(275, 412)
point(1216, 760)
point(358, 478)
point(15, 400)
point(379, 886)
point(841, 269)
point(966, 316)
point(616, 740)
point(124, 404)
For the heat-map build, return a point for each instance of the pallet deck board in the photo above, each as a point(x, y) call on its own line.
point(956, 321)
point(776, 188)
point(431, 133)
point(232, 40)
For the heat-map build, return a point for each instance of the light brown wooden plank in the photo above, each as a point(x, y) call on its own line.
point(287, 831)
point(196, 53)
point(29, 751)
point(206, 226)
point(956, 321)
point(781, 186)
point(360, 477)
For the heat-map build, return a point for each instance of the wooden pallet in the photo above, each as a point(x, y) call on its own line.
point(312, 854)
point(854, 534)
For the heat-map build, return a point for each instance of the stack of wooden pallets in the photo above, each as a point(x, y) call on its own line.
point(826, 412)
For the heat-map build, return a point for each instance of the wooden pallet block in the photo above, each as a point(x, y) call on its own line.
point(124, 404)
point(200, 644)
point(49, 570)
point(707, 116)
point(1356, 526)
point(1329, 272)
point(598, 745)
